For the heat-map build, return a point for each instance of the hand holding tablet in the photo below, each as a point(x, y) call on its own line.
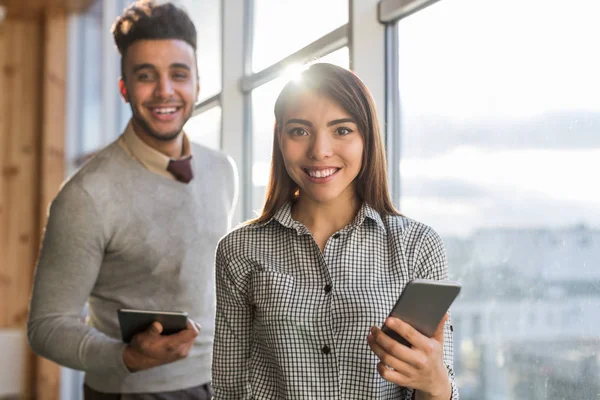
point(155, 337)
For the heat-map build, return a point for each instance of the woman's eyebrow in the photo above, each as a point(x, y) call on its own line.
point(340, 121)
point(299, 121)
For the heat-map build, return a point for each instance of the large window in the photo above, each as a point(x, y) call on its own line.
point(90, 125)
point(500, 153)
point(263, 119)
point(282, 27)
point(206, 15)
point(205, 128)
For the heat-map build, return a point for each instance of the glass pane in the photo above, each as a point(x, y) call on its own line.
point(277, 34)
point(263, 101)
point(92, 33)
point(500, 154)
point(205, 128)
point(206, 15)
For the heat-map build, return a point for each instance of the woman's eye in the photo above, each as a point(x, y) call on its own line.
point(343, 131)
point(298, 132)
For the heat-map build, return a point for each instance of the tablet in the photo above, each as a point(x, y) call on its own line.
point(133, 322)
point(422, 304)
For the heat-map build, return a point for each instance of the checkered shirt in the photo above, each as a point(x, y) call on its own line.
point(292, 321)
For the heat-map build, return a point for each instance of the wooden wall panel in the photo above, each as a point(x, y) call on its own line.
point(21, 99)
point(21, 163)
point(4, 117)
point(54, 112)
point(35, 8)
point(33, 57)
point(52, 155)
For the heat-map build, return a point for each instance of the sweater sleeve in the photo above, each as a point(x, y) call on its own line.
point(68, 265)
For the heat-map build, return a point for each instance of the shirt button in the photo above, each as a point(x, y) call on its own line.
point(328, 288)
point(325, 350)
point(336, 236)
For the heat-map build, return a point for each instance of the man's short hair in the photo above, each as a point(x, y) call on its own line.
point(145, 19)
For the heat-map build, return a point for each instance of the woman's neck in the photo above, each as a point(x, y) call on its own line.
point(324, 219)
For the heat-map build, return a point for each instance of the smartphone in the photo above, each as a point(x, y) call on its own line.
point(133, 322)
point(422, 304)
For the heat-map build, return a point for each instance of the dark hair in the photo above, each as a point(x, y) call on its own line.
point(345, 88)
point(145, 19)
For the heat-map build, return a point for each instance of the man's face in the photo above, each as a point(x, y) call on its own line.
point(161, 85)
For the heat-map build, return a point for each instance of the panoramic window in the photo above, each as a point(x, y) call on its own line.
point(500, 153)
point(205, 128)
point(282, 27)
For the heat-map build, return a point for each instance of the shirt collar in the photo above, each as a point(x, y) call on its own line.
point(152, 159)
point(284, 217)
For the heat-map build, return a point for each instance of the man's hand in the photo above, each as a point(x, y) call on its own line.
point(419, 367)
point(150, 349)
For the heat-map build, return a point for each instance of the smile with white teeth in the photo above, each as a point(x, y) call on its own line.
point(321, 173)
point(166, 110)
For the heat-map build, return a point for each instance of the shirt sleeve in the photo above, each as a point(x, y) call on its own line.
point(233, 332)
point(70, 258)
point(432, 263)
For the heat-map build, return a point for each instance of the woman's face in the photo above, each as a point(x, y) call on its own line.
point(321, 147)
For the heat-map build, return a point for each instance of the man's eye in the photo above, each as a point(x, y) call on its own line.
point(343, 131)
point(180, 76)
point(144, 77)
point(297, 132)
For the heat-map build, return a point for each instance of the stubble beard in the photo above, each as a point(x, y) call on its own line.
point(163, 137)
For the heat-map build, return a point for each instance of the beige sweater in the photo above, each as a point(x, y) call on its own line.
point(120, 236)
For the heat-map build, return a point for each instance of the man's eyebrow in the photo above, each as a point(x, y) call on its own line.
point(180, 65)
point(150, 66)
point(340, 121)
point(299, 121)
point(139, 67)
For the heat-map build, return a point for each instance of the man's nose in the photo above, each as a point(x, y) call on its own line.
point(164, 88)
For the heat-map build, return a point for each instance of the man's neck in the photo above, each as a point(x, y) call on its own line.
point(170, 148)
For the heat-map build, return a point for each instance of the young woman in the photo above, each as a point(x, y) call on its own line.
point(302, 289)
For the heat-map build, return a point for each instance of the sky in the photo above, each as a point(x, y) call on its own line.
point(500, 105)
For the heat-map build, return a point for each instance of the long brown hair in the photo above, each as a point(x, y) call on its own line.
point(344, 87)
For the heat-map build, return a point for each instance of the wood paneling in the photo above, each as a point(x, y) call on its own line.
point(52, 155)
point(35, 8)
point(5, 84)
point(21, 102)
point(22, 99)
point(33, 56)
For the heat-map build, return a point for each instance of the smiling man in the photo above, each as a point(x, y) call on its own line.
point(137, 228)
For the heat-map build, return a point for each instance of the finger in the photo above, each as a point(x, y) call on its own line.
point(389, 360)
point(413, 336)
point(182, 337)
point(391, 375)
point(192, 326)
point(395, 349)
point(155, 329)
point(439, 331)
point(184, 350)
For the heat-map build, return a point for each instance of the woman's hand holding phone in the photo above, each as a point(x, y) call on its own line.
point(150, 349)
point(420, 367)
